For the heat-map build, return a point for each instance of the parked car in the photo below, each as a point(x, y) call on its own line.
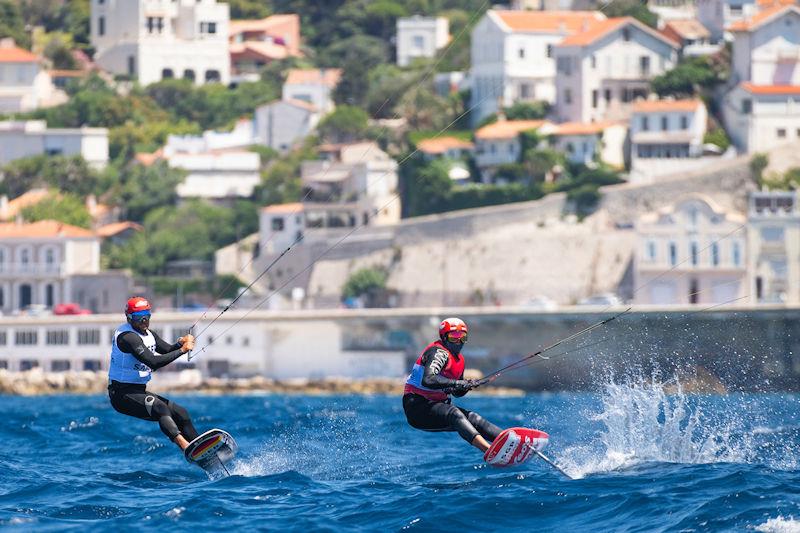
point(70, 308)
point(606, 298)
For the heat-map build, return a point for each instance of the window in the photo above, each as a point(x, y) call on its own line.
point(737, 254)
point(53, 151)
point(524, 91)
point(92, 365)
point(781, 133)
point(49, 256)
point(684, 122)
point(567, 96)
point(131, 65)
point(595, 98)
point(188, 74)
point(608, 96)
point(155, 24)
point(694, 291)
point(25, 257)
point(26, 337)
point(521, 53)
point(2, 298)
point(4, 364)
point(27, 364)
point(3, 338)
point(101, 26)
point(59, 365)
point(645, 124)
point(245, 341)
point(695, 255)
point(212, 75)
point(167, 73)
point(772, 234)
point(673, 254)
point(208, 27)
point(747, 106)
point(626, 34)
point(57, 337)
point(419, 42)
point(651, 250)
point(570, 148)
point(278, 224)
point(593, 61)
point(664, 123)
point(88, 336)
point(229, 340)
point(715, 254)
point(549, 50)
point(49, 295)
point(644, 65)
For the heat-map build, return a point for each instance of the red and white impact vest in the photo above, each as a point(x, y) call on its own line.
point(454, 369)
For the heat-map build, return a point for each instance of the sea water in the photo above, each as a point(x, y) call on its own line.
point(642, 459)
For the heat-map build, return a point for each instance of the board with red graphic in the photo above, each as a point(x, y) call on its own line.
point(514, 446)
point(211, 451)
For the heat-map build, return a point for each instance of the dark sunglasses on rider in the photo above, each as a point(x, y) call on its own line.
point(457, 337)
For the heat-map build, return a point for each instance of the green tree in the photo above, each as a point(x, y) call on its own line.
point(717, 137)
point(345, 123)
point(631, 8)
point(758, 163)
point(425, 185)
point(63, 173)
point(356, 56)
point(689, 78)
point(58, 50)
point(381, 18)
point(144, 188)
point(527, 111)
point(539, 161)
point(12, 24)
point(365, 282)
point(584, 199)
point(64, 207)
point(248, 9)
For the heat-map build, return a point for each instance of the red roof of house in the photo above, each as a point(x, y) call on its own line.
point(654, 106)
point(601, 29)
point(441, 144)
point(283, 209)
point(549, 21)
point(110, 230)
point(14, 54)
point(507, 129)
point(762, 17)
point(322, 76)
point(770, 89)
point(41, 229)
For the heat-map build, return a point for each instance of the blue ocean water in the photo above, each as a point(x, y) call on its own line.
point(645, 461)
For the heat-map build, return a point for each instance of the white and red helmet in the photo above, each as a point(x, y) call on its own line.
point(453, 326)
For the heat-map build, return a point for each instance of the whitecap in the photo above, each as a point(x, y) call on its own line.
point(779, 525)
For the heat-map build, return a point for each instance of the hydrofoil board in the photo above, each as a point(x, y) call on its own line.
point(514, 446)
point(211, 451)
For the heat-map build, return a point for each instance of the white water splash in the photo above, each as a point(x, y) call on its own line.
point(74, 424)
point(642, 423)
point(779, 525)
point(265, 462)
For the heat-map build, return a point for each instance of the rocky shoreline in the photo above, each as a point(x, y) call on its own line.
point(36, 383)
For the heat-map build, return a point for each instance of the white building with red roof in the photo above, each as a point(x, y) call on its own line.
point(24, 85)
point(499, 144)
point(590, 142)
point(512, 55)
point(667, 137)
point(256, 43)
point(29, 138)
point(603, 70)
point(763, 109)
point(314, 86)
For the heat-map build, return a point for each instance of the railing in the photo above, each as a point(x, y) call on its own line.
point(31, 269)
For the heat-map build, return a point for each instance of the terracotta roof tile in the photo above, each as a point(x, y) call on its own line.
point(508, 129)
point(13, 54)
point(762, 17)
point(579, 128)
point(117, 227)
point(771, 89)
point(601, 29)
point(42, 229)
point(284, 209)
point(687, 29)
point(32, 197)
point(549, 21)
point(327, 76)
point(442, 144)
point(654, 106)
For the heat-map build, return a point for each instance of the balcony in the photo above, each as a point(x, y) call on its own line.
point(8, 270)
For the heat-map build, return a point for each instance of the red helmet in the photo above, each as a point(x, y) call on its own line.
point(137, 303)
point(452, 325)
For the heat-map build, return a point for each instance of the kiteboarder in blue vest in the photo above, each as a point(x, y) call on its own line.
point(437, 373)
point(136, 351)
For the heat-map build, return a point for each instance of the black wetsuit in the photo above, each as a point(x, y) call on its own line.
point(132, 398)
point(429, 415)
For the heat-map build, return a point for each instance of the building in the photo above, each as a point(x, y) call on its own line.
point(256, 43)
point(603, 70)
point(512, 56)
point(690, 253)
point(718, 15)
point(28, 138)
point(773, 243)
point(420, 37)
point(591, 142)
point(118, 233)
point(762, 110)
point(38, 260)
point(667, 137)
point(24, 86)
point(313, 86)
point(150, 40)
point(283, 123)
point(693, 37)
point(280, 226)
point(447, 147)
point(499, 144)
point(354, 184)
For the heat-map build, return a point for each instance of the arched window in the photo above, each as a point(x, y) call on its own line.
point(212, 75)
point(167, 73)
point(188, 74)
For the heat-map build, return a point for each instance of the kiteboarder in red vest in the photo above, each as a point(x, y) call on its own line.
point(439, 372)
